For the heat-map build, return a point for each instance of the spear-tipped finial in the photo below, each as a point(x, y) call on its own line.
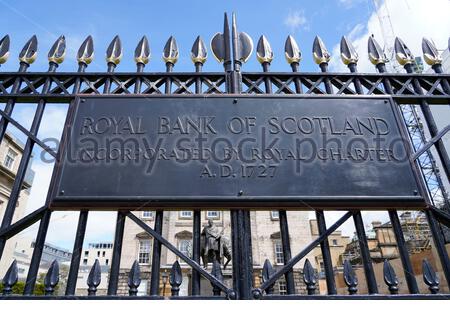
point(4, 49)
point(29, 51)
point(199, 53)
point(348, 52)
point(264, 52)
point(114, 51)
point(430, 53)
point(58, 51)
point(170, 53)
point(142, 51)
point(292, 51)
point(86, 52)
point(376, 54)
point(242, 43)
point(402, 52)
point(220, 43)
point(10, 278)
point(320, 52)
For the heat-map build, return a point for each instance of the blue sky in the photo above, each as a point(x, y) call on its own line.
point(185, 20)
point(330, 19)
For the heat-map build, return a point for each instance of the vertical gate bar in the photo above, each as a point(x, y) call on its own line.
point(196, 252)
point(117, 253)
point(24, 161)
point(267, 82)
point(169, 68)
point(327, 82)
point(431, 124)
point(37, 254)
point(198, 79)
point(356, 81)
point(286, 244)
point(82, 219)
point(440, 245)
point(76, 253)
point(137, 85)
point(365, 253)
point(403, 252)
point(326, 255)
point(246, 254)
point(11, 102)
point(156, 255)
point(234, 214)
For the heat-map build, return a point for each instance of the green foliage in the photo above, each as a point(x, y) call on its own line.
point(20, 285)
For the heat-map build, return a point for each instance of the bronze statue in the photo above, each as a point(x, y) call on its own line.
point(214, 245)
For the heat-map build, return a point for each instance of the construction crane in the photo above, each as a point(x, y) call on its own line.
point(411, 115)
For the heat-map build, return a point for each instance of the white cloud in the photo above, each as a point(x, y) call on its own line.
point(296, 19)
point(350, 3)
point(411, 21)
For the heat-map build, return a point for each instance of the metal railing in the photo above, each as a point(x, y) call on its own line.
point(232, 50)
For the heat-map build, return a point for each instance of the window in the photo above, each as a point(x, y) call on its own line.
point(85, 261)
point(144, 251)
point(103, 254)
point(10, 158)
point(86, 253)
point(274, 215)
point(98, 253)
point(185, 214)
point(282, 287)
point(147, 214)
point(212, 214)
point(334, 241)
point(185, 246)
point(107, 261)
point(279, 258)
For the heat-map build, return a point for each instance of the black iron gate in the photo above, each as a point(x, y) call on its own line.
point(232, 49)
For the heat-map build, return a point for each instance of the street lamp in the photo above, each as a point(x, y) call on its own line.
point(164, 281)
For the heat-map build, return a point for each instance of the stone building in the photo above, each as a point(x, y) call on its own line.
point(101, 251)
point(177, 228)
point(11, 150)
point(337, 243)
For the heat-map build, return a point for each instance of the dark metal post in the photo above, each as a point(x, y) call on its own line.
point(403, 252)
point(440, 245)
point(117, 253)
point(77, 252)
point(286, 244)
point(196, 252)
point(326, 255)
point(37, 253)
point(365, 253)
point(156, 255)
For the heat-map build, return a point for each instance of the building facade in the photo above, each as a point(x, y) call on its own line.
point(11, 150)
point(177, 228)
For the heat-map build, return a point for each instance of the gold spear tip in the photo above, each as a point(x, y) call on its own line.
point(142, 51)
point(199, 53)
point(170, 52)
point(320, 52)
point(376, 53)
point(114, 51)
point(264, 52)
point(4, 49)
point(86, 52)
point(430, 52)
point(348, 52)
point(29, 51)
point(402, 52)
point(292, 51)
point(58, 51)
